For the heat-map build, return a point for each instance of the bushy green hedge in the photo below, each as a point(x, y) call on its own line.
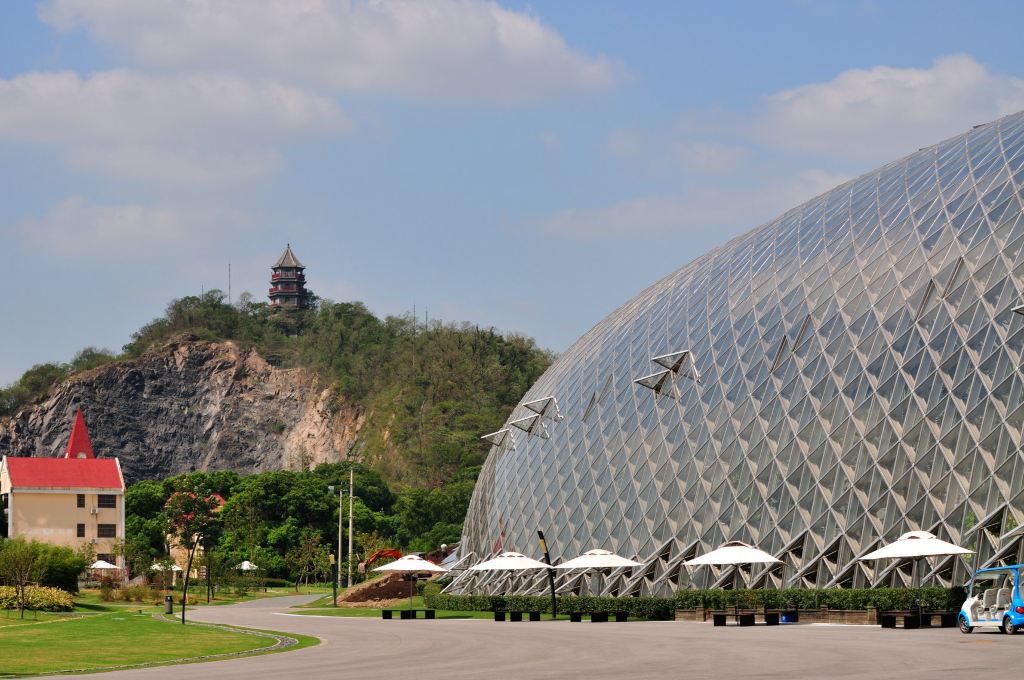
point(652, 608)
point(40, 598)
point(884, 599)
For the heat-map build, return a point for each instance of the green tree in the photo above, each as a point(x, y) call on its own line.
point(21, 565)
point(309, 559)
point(190, 516)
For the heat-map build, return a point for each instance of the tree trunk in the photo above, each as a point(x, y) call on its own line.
point(184, 584)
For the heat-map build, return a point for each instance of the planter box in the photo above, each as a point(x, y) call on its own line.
point(864, 617)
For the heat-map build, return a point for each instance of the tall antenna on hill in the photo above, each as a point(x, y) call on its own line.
point(229, 282)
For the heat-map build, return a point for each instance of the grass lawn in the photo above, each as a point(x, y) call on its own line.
point(88, 600)
point(91, 642)
point(9, 617)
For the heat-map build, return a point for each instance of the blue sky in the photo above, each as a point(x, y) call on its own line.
point(528, 166)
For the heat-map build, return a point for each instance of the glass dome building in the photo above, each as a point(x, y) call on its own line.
point(848, 372)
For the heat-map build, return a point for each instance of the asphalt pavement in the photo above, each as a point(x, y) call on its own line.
point(453, 649)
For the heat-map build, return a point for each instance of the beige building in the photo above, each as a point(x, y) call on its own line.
point(69, 501)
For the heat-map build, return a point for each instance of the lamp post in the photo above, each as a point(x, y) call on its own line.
point(551, 573)
point(336, 575)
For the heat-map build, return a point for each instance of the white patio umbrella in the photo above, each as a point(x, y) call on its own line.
point(598, 559)
point(174, 571)
point(246, 565)
point(412, 564)
point(733, 553)
point(914, 545)
point(510, 561)
point(102, 564)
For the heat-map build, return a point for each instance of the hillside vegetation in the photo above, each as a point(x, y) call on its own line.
point(426, 394)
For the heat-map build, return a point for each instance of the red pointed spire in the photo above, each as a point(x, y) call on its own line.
point(79, 445)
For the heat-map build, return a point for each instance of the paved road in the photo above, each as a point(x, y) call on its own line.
point(456, 649)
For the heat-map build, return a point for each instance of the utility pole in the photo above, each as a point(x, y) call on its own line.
point(336, 574)
point(351, 477)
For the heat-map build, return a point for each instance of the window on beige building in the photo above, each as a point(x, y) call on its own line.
point(81, 500)
point(106, 500)
point(80, 531)
point(106, 530)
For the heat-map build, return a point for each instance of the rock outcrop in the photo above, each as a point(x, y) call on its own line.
point(191, 405)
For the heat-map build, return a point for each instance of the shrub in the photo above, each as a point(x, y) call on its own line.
point(883, 599)
point(40, 598)
point(134, 594)
point(652, 608)
point(278, 583)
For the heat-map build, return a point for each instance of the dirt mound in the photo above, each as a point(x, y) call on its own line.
point(378, 591)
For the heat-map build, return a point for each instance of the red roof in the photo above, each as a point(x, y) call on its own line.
point(79, 445)
point(63, 473)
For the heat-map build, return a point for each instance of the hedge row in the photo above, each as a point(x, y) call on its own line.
point(40, 598)
point(651, 608)
point(884, 599)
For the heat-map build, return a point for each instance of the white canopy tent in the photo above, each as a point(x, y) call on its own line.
point(412, 564)
point(246, 565)
point(101, 565)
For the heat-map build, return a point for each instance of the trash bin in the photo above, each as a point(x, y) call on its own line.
point(169, 604)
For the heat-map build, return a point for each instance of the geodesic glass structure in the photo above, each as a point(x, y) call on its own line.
point(818, 386)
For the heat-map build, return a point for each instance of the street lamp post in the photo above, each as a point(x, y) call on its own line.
point(334, 579)
point(551, 573)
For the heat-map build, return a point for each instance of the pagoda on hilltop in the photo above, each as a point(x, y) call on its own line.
point(288, 283)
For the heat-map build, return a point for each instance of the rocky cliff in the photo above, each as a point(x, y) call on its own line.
point(191, 405)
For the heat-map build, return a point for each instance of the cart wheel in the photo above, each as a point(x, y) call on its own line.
point(965, 627)
point(1009, 627)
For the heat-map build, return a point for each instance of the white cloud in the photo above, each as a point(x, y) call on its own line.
point(711, 209)
point(874, 114)
point(168, 128)
point(858, 119)
point(75, 228)
point(169, 165)
point(442, 50)
point(198, 128)
point(712, 158)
